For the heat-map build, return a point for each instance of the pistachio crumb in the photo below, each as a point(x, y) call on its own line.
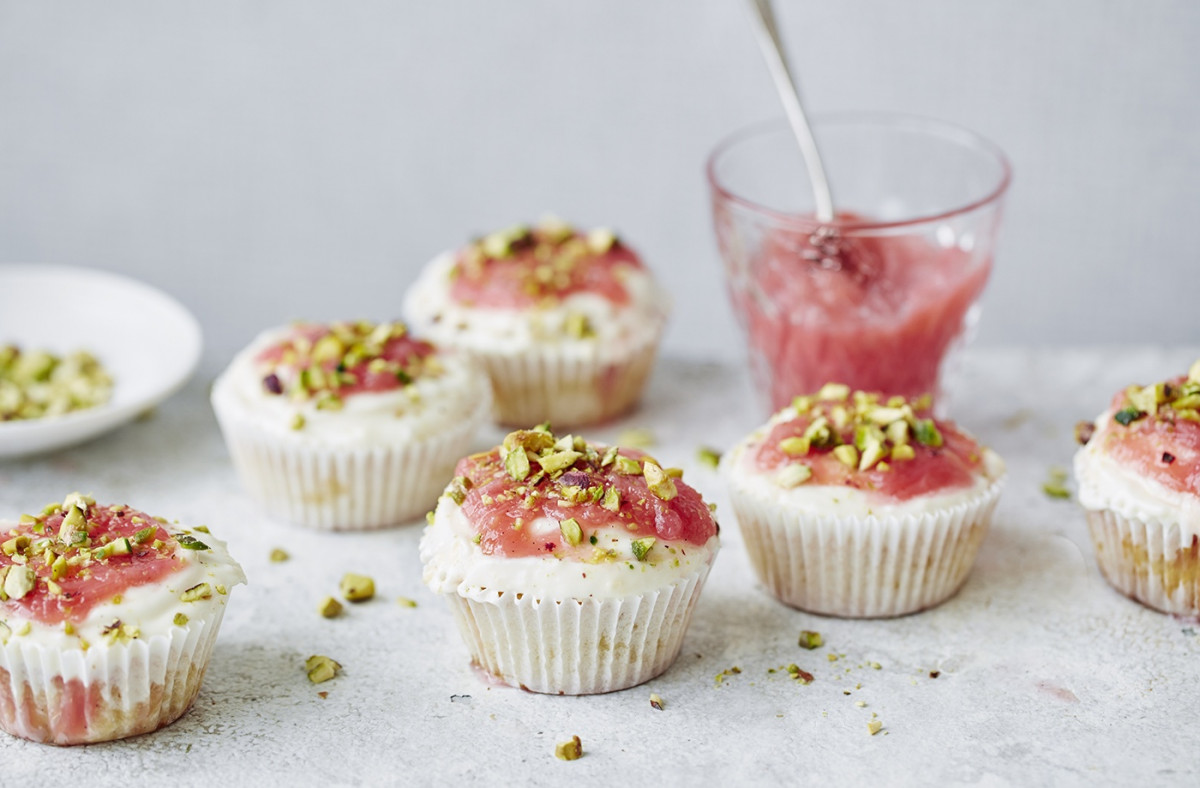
point(180, 620)
point(570, 750)
point(656, 702)
point(571, 530)
point(810, 639)
point(321, 668)
point(279, 554)
point(874, 727)
point(357, 588)
point(708, 457)
point(329, 607)
point(404, 601)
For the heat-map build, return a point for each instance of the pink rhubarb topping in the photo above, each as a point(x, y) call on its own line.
point(60, 564)
point(890, 448)
point(522, 267)
point(342, 359)
point(1155, 430)
point(580, 486)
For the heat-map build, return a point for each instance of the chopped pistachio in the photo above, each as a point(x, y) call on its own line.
point(578, 326)
point(793, 475)
point(658, 482)
point(612, 499)
point(278, 555)
point(571, 750)
point(329, 607)
point(404, 601)
point(145, 535)
point(559, 460)
point(847, 455)
point(874, 726)
point(903, 452)
point(708, 457)
point(357, 588)
point(298, 421)
point(1055, 484)
point(834, 391)
point(180, 620)
point(189, 542)
point(19, 581)
point(656, 702)
point(1126, 416)
point(926, 432)
point(610, 456)
point(571, 530)
point(196, 593)
point(799, 674)
point(810, 639)
point(641, 547)
point(320, 668)
point(795, 446)
point(516, 463)
point(627, 466)
point(1146, 399)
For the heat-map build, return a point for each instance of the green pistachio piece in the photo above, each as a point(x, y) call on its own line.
point(357, 588)
point(571, 530)
point(559, 460)
point(810, 639)
point(847, 455)
point(795, 446)
point(19, 581)
point(897, 433)
point(1126, 416)
point(298, 421)
point(834, 391)
point(886, 416)
point(610, 456)
point(404, 601)
point(189, 542)
point(1147, 398)
point(657, 480)
point(15, 545)
point(641, 547)
point(627, 466)
point(793, 475)
point(927, 433)
point(578, 326)
point(516, 463)
point(709, 457)
point(58, 568)
point(329, 607)
point(180, 620)
point(145, 535)
point(656, 702)
point(571, 750)
point(196, 593)
point(278, 555)
point(819, 434)
point(802, 404)
point(320, 668)
point(601, 239)
point(903, 452)
point(457, 489)
point(535, 440)
point(612, 499)
point(328, 348)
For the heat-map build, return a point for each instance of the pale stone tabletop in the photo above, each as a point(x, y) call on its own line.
point(1043, 674)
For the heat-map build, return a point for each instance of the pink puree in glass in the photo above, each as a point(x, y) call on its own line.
point(878, 315)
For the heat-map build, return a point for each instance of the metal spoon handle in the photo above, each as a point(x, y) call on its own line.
point(767, 33)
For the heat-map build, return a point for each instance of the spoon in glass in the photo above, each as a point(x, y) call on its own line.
point(767, 33)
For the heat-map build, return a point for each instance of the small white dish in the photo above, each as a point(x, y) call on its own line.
point(146, 340)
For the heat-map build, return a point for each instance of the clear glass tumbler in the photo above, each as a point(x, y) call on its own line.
point(877, 299)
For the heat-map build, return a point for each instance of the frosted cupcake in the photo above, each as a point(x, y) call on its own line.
point(107, 620)
point(571, 568)
point(858, 507)
point(348, 425)
point(1139, 482)
point(567, 323)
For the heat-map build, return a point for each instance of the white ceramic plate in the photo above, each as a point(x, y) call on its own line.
point(146, 339)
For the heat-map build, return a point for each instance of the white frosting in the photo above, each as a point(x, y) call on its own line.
point(421, 410)
point(619, 328)
point(1105, 483)
point(150, 607)
point(744, 477)
point(454, 563)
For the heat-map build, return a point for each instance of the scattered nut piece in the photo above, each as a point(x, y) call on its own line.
point(320, 668)
point(655, 701)
point(329, 607)
point(406, 602)
point(709, 457)
point(571, 750)
point(1055, 484)
point(810, 639)
point(357, 588)
point(279, 554)
point(874, 727)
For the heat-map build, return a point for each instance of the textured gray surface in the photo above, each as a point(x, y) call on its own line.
point(1046, 675)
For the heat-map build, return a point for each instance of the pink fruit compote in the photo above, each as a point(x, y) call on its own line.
point(877, 311)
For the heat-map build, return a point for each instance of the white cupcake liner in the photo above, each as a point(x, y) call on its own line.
point(547, 384)
point(577, 646)
point(863, 567)
point(71, 696)
point(1155, 563)
point(343, 489)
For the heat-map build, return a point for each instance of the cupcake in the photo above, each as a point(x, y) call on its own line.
point(571, 568)
point(349, 425)
point(107, 620)
point(856, 506)
point(566, 323)
point(1139, 484)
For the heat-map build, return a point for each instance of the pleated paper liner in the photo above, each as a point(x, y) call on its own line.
point(1155, 563)
point(863, 567)
point(110, 691)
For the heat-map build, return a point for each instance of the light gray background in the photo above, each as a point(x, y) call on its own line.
point(264, 161)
